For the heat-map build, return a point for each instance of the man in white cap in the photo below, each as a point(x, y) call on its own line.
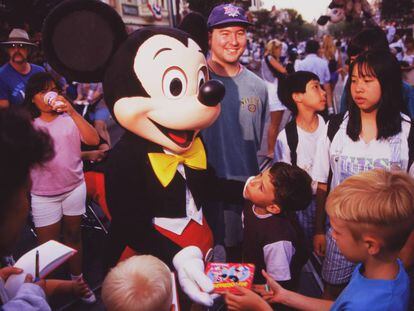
point(15, 74)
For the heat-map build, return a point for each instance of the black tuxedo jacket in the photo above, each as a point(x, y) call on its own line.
point(135, 196)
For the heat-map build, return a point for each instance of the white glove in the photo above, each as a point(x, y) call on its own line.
point(190, 270)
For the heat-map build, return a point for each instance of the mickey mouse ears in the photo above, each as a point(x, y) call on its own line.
point(80, 37)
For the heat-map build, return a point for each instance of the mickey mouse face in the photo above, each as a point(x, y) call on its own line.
point(173, 75)
point(155, 80)
point(337, 15)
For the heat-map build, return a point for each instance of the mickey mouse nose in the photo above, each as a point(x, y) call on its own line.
point(211, 93)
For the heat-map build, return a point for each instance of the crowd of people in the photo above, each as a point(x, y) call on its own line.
point(331, 116)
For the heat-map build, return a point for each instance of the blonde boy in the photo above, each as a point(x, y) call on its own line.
point(140, 283)
point(372, 216)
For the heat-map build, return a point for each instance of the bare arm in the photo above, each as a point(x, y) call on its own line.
point(4, 103)
point(319, 241)
point(88, 133)
point(275, 119)
point(278, 66)
point(100, 126)
point(278, 294)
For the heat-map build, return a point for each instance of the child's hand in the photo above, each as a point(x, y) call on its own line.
point(96, 155)
point(247, 300)
point(61, 104)
point(7, 271)
point(276, 292)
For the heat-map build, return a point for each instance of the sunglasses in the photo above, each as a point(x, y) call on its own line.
point(18, 46)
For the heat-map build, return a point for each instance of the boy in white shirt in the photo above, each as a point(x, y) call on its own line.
point(296, 144)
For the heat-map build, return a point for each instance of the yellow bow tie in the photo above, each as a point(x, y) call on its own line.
point(165, 165)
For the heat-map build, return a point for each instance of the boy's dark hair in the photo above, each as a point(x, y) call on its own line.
point(293, 190)
point(312, 47)
point(294, 83)
point(36, 83)
point(385, 67)
point(21, 147)
point(368, 39)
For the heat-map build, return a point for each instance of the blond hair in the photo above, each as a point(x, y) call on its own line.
point(328, 47)
point(377, 198)
point(140, 283)
point(273, 48)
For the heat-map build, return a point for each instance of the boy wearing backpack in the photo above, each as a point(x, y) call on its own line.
point(302, 94)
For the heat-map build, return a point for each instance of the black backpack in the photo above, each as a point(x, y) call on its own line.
point(292, 134)
point(335, 122)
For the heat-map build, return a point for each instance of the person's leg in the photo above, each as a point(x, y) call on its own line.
point(72, 238)
point(48, 233)
point(73, 207)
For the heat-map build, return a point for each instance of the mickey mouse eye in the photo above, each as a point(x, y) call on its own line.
point(202, 76)
point(174, 83)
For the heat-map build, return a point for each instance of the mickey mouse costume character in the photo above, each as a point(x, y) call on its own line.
point(348, 10)
point(157, 178)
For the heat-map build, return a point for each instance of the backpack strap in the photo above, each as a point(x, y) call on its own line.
point(411, 146)
point(292, 140)
point(334, 123)
point(333, 127)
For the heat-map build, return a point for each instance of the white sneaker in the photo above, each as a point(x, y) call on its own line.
point(89, 300)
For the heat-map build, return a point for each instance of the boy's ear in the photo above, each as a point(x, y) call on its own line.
point(297, 97)
point(372, 244)
point(273, 209)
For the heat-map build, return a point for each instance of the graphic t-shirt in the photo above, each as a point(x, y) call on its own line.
point(13, 84)
point(233, 140)
point(347, 157)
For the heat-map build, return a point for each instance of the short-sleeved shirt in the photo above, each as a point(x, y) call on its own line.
point(65, 171)
point(274, 243)
point(13, 84)
point(233, 140)
point(363, 294)
point(346, 157)
point(315, 64)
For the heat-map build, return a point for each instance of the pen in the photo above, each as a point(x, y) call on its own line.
point(37, 276)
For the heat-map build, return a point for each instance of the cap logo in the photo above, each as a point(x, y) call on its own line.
point(231, 10)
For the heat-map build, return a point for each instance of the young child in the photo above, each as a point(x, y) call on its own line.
point(58, 187)
point(272, 237)
point(296, 144)
point(372, 215)
point(143, 281)
point(23, 147)
point(372, 134)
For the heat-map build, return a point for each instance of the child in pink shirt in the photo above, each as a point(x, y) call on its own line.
point(58, 192)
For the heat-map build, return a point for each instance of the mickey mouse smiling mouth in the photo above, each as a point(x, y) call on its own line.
point(182, 138)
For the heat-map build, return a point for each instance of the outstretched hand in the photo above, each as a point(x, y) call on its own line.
point(274, 293)
point(246, 300)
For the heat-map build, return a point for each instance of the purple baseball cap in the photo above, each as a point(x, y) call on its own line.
point(227, 14)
